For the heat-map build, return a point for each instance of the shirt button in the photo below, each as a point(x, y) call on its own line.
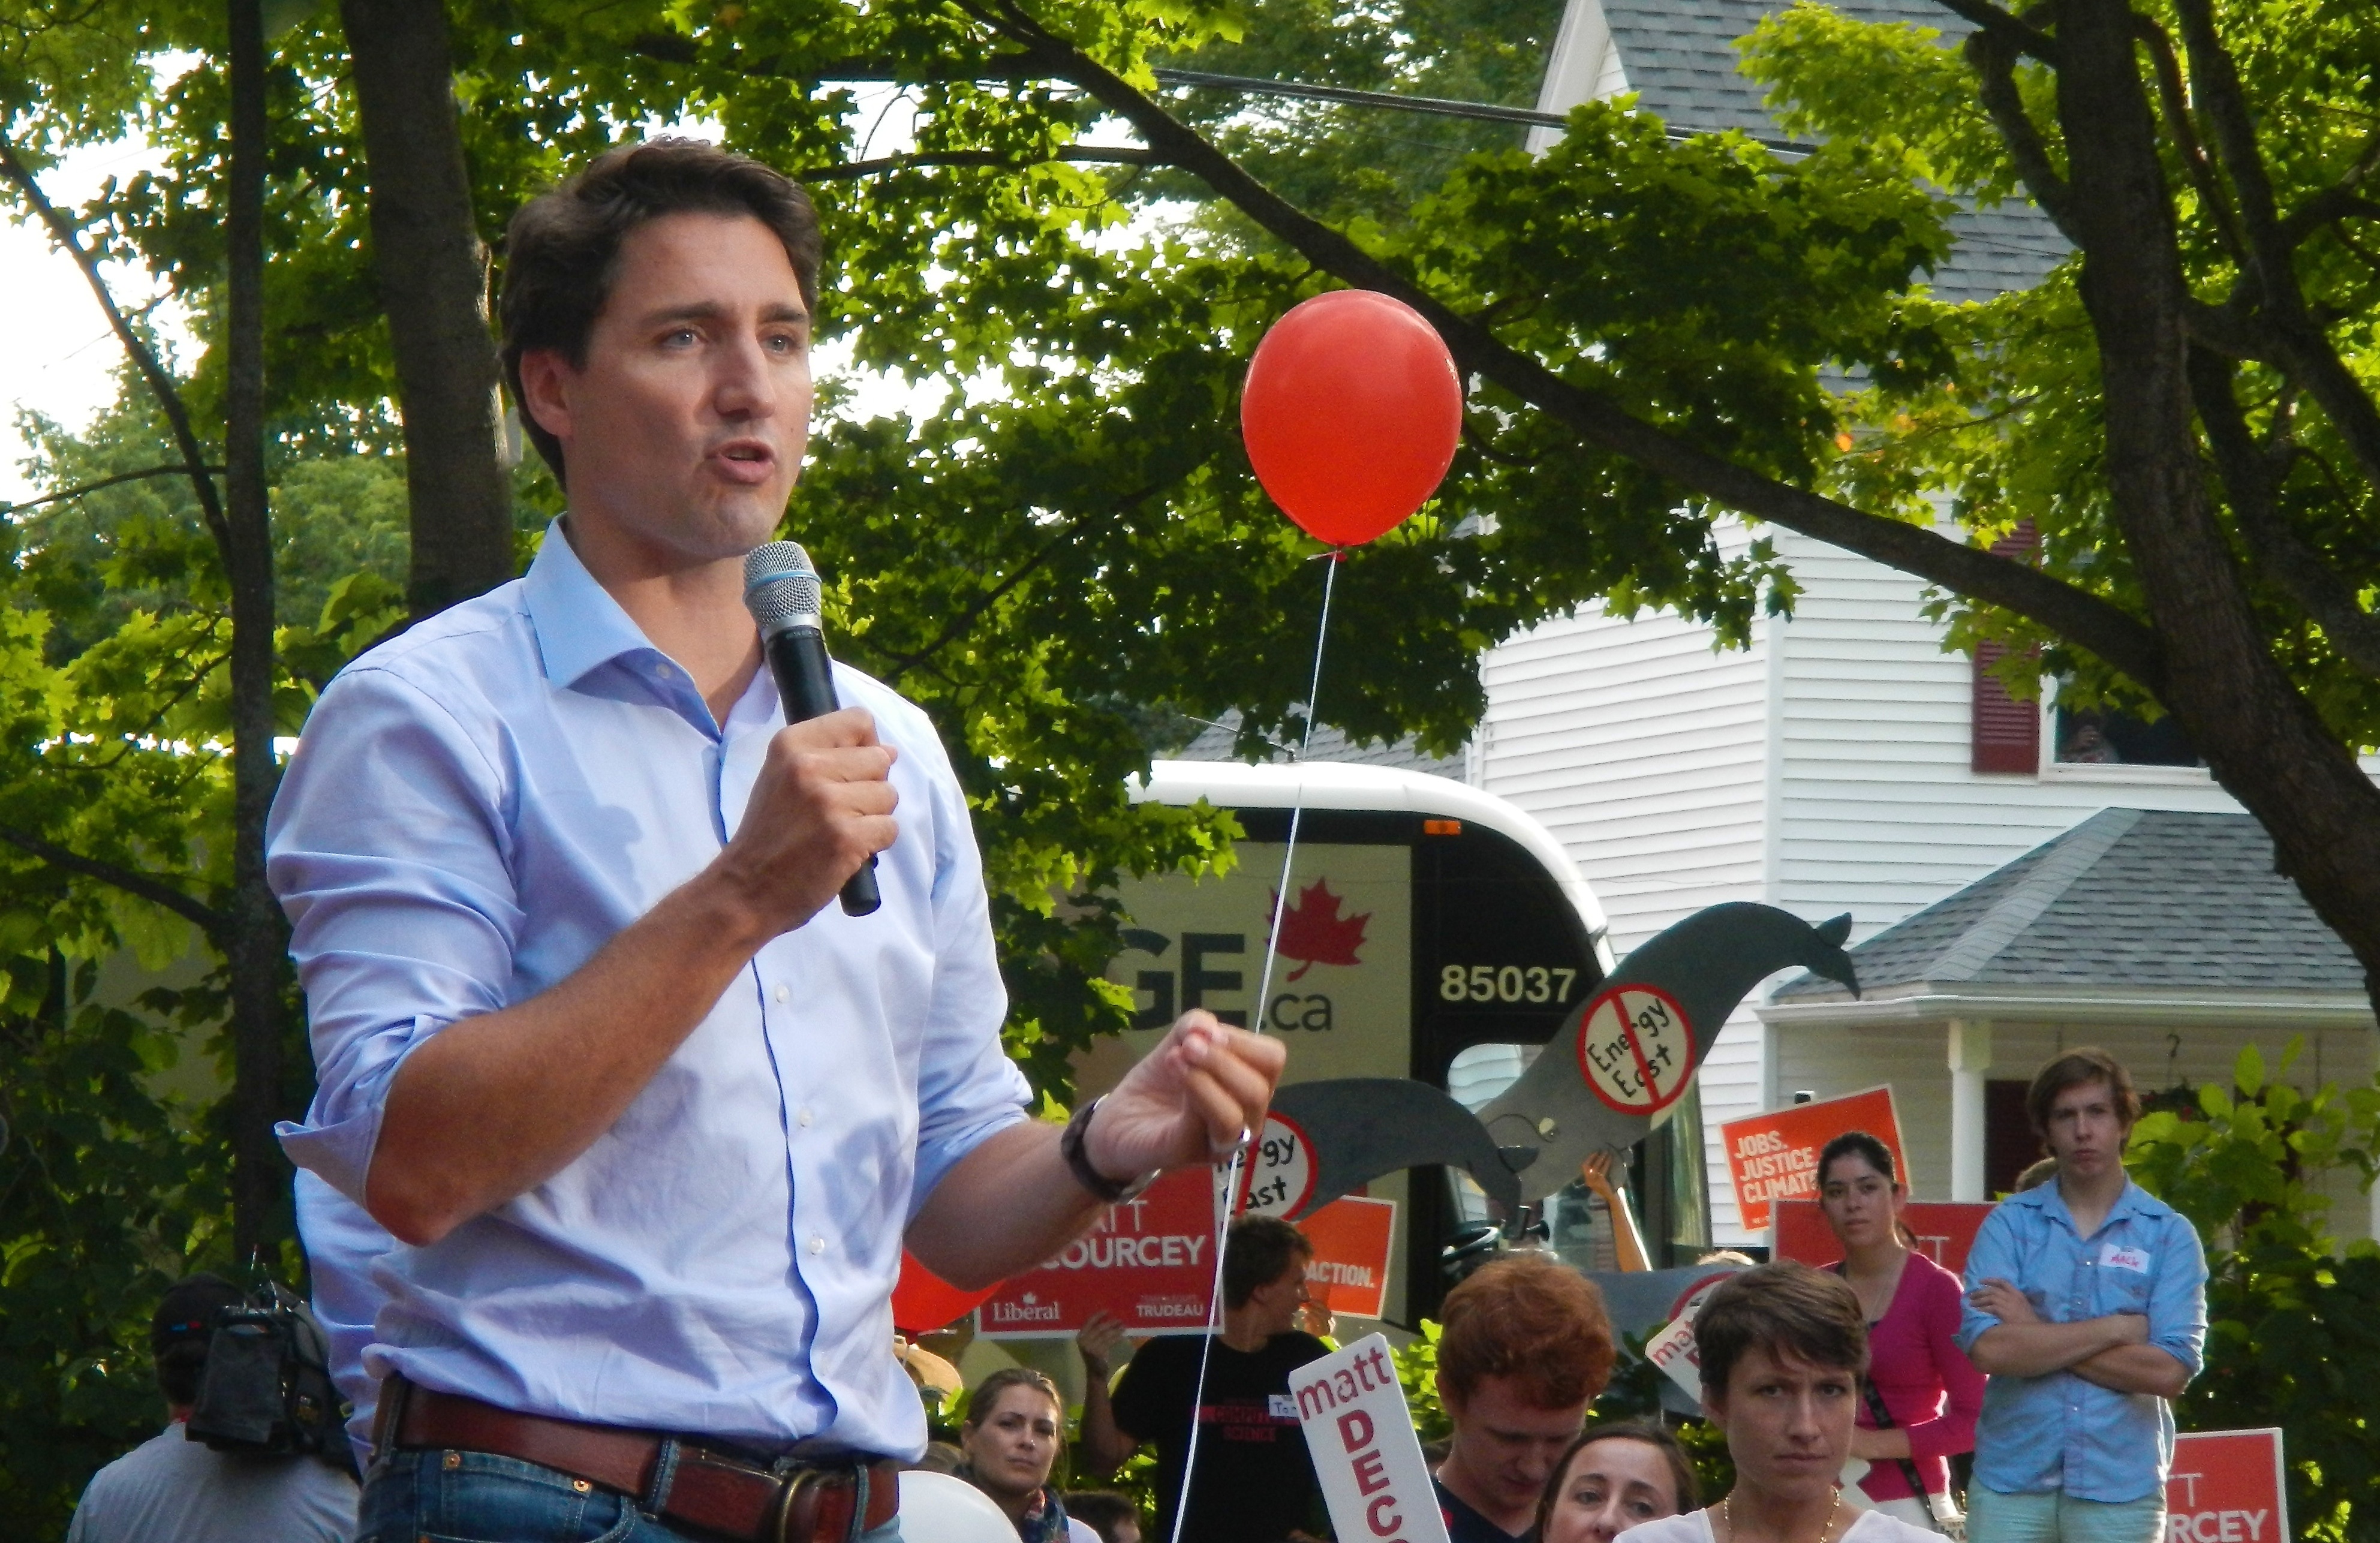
point(817, 1244)
point(802, 1118)
point(781, 994)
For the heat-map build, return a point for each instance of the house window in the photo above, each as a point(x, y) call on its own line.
point(2110, 738)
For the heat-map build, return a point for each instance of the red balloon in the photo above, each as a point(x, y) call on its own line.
point(1351, 412)
point(923, 1301)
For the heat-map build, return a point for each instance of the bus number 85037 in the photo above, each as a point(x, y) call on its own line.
point(1532, 983)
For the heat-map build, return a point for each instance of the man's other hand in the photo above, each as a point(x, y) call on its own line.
point(822, 806)
point(1189, 1101)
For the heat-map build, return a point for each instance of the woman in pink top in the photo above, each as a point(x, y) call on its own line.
point(1927, 1386)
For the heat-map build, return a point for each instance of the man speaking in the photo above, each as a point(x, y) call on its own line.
point(649, 1116)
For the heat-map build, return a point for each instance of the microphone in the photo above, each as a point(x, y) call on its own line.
point(780, 590)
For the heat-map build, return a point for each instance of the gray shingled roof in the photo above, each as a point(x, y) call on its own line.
point(1680, 58)
point(1215, 741)
point(2140, 898)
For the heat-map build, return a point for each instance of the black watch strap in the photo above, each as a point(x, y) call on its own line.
point(1078, 1162)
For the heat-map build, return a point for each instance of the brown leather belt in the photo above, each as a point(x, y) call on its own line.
point(703, 1487)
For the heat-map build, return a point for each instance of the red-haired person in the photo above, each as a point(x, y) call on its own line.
point(1526, 1347)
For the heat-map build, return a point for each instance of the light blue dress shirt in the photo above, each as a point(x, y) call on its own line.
point(474, 809)
point(2060, 1432)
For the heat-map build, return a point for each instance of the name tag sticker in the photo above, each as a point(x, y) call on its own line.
point(1281, 1406)
point(2112, 1256)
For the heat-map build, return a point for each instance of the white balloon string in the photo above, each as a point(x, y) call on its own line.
point(1229, 1192)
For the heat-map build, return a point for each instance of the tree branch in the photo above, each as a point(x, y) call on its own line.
point(169, 397)
point(677, 49)
point(2173, 95)
point(2013, 30)
point(2298, 345)
point(1994, 61)
point(2251, 477)
point(1118, 155)
point(964, 622)
point(143, 886)
point(2083, 618)
point(176, 469)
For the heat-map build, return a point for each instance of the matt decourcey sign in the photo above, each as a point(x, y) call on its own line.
point(1360, 1434)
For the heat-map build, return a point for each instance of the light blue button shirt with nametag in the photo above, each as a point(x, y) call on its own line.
point(474, 809)
point(2059, 1431)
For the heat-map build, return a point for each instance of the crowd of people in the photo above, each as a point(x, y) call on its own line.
point(1843, 1393)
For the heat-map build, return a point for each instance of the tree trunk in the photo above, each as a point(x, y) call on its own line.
point(259, 942)
point(2262, 738)
point(433, 285)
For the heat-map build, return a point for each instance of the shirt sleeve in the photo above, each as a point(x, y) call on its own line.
point(1994, 1255)
point(2177, 1297)
point(388, 850)
point(968, 1088)
point(1952, 1430)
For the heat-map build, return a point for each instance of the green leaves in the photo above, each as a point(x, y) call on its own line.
point(2290, 1335)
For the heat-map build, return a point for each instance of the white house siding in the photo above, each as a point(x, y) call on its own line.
point(1658, 763)
point(1879, 814)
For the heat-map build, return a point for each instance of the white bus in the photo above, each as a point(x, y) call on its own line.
point(1432, 931)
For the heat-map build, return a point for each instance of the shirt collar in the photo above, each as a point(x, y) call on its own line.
point(579, 627)
point(2133, 1201)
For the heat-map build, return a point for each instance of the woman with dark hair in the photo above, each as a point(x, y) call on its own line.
point(1613, 1478)
point(1922, 1394)
point(1014, 1429)
point(1782, 1348)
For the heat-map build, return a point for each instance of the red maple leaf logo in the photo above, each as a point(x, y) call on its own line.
point(1314, 932)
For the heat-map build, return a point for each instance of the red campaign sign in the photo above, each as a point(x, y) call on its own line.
point(1348, 1272)
point(1945, 1231)
point(1150, 1262)
point(2227, 1486)
point(1775, 1156)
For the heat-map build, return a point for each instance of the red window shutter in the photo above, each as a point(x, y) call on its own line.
point(2005, 733)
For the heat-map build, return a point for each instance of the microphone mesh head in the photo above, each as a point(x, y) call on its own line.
point(780, 586)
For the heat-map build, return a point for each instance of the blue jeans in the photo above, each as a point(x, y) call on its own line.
point(470, 1497)
point(2054, 1516)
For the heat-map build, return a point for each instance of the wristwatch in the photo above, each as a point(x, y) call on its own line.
point(1078, 1162)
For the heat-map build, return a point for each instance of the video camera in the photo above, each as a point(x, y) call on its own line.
point(267, 1387)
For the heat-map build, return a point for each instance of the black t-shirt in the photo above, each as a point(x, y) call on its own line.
point(1467, 1525)
point(1254, 1482)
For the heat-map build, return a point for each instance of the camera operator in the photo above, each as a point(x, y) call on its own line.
point(175, 1489)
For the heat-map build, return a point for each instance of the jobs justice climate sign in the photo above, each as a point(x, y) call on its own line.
point(1775, 1156)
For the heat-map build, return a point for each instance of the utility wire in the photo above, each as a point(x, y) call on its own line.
point(1439, 105)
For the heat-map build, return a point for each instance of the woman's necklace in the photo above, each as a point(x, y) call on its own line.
point(1727, 1514)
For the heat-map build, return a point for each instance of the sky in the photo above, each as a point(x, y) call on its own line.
point(59, 356)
